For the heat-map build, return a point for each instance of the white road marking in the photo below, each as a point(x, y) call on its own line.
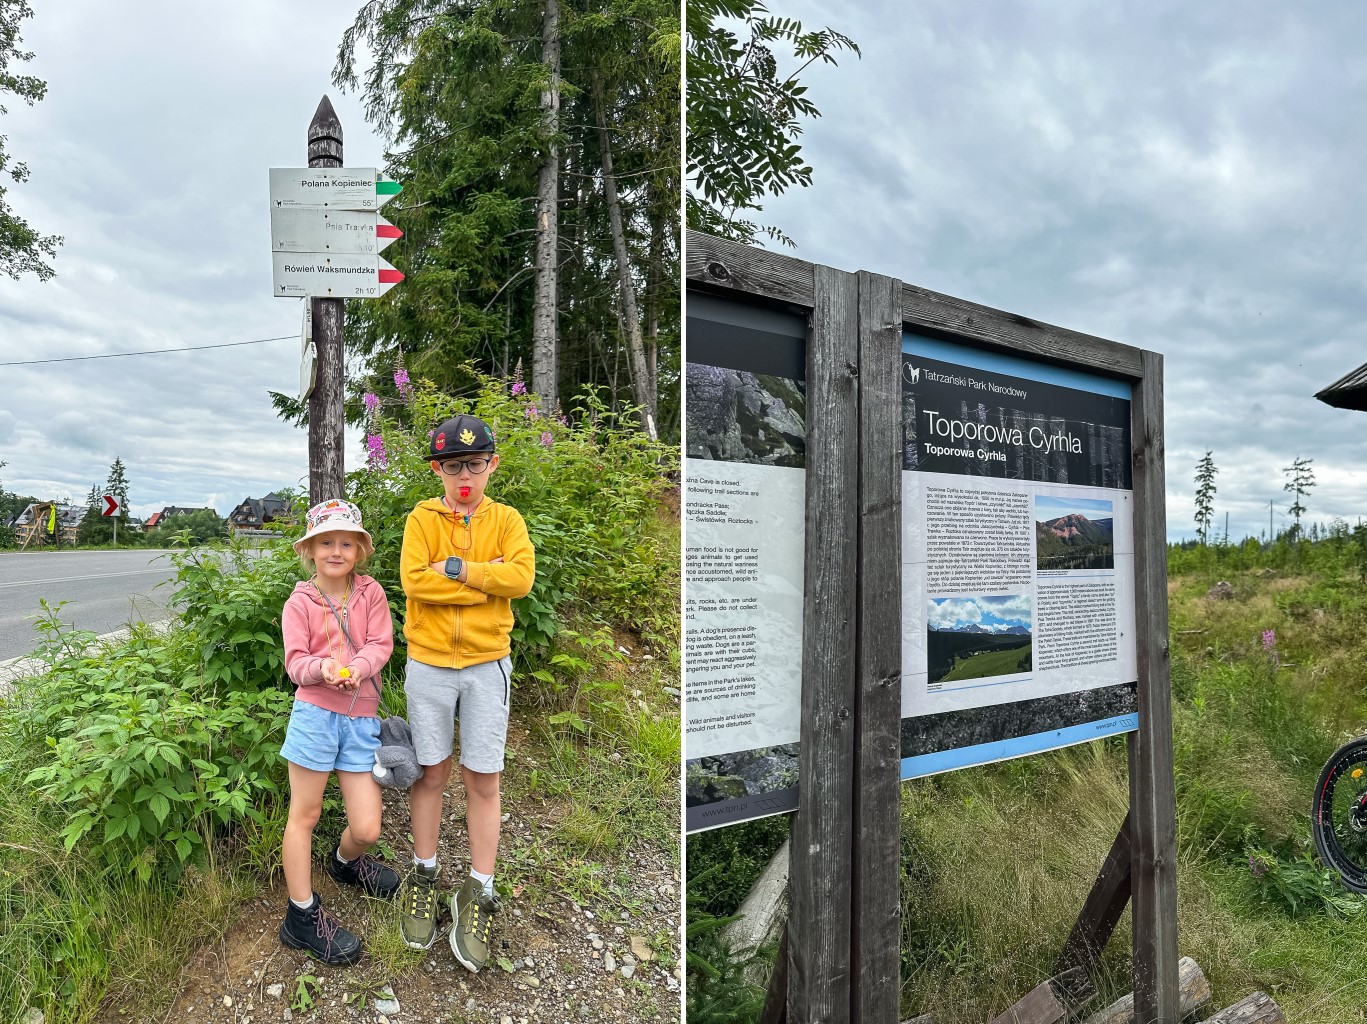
point(74, 579)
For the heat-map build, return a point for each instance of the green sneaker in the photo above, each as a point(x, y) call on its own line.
point(473, 910)
point(418, 908)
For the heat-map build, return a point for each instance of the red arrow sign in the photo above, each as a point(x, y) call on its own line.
point(111, 505)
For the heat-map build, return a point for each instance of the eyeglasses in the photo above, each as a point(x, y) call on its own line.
point(455, 466)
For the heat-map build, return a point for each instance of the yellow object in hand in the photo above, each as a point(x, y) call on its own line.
point(344, 673)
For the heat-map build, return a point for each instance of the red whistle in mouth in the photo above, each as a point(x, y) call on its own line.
point(465, 492)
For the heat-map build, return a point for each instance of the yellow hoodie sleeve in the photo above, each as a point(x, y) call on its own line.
point(513, 576)
point(423, 583)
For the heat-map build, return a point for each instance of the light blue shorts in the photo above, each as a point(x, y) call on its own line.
point(326, 741)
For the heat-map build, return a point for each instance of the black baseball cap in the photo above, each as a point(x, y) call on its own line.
point(461, 435)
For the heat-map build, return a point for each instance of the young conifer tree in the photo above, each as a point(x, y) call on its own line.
point(1300, 478)
point(1205, 496)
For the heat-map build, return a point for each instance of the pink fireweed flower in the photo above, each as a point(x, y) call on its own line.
point(519, 388)
point(401, 382)
point(546, 438)
point(372, 402)
point(1269, 639)
point(375, 453)
point(533, 412)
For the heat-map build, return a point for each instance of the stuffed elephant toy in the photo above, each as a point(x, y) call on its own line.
point(396, 762)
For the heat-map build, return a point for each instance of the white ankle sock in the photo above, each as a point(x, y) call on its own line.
point(486, 881)
point(340, 858)
point(303, 906)
point(426, 862)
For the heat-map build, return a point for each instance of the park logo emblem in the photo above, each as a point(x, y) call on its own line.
point(912, 374)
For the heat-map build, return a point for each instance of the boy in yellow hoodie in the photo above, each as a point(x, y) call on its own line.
point(465, 558)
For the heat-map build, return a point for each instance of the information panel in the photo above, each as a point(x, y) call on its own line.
point(1018, 557)
point(745, 469)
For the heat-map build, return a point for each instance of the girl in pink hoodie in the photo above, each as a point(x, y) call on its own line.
point(338, 636)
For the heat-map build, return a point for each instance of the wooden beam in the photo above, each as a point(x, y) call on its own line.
point(1257, 1008)
point(876, 924)
point(968, 321)
point(1153, 800)
point(1103, 908)
point(822, 843)
point(776, 996)
point(1191, 982)
point(1050, 1001)
point(720, 265)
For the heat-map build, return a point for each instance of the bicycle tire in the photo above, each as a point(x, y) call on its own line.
point(1339, 832)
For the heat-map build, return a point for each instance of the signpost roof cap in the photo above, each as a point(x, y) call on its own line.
point(461, 435)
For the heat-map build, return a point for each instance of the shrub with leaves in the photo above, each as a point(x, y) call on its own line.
point(588, 486)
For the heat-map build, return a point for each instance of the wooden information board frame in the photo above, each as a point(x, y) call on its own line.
point(841, 956)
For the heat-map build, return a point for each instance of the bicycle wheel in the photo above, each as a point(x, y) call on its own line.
point(1339, 816)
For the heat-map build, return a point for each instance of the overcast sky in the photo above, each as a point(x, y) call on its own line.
point(1187, 178)
point(150, 156)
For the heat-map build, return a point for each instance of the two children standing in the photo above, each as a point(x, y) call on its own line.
point(465, 558)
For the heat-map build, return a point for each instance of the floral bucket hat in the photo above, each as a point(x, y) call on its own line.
point(333, 514)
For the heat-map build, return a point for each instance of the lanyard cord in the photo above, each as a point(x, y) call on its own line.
point(469, 533)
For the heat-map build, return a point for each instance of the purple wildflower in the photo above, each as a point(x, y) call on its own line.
point(372, 402)
point(1269, 639)
point(376, 455)
point(546, 438)
point(1257, 867)
point(519, 388)
point(401, 382)
point(533, 412)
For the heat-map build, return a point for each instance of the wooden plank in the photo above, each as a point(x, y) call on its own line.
point(1257, 1008)
point(762, 915)
point(720, 265)
point(925, 1018)
point(1102, 910)
point(822, 843)
point(877, 920)
point(1153, 801)
point(931, 310)
point(1191, 982)
point(1050, 1001)
point(775, 1009)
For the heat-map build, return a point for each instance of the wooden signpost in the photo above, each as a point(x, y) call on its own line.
point(326, 237)
point(841, 957)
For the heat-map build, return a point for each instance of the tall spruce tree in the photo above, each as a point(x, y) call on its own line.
point(1300, 479)
point(461, 93)
point(1205, 496)
point(22, 249)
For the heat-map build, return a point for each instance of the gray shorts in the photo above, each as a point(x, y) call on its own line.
point(477, 695)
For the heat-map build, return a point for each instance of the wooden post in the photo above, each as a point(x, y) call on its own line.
point(1153, 798)
point(1103, 908)
point(822, 842)
point(326, 422)
point(876, 939)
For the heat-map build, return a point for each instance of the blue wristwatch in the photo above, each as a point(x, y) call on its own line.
point(454, 565)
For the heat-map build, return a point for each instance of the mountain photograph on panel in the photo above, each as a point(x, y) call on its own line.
point(1073, 533)
point(738, 416)
point(979, 637)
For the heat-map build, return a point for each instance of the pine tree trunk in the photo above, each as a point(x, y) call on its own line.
point(544, 369)
point(642, 381)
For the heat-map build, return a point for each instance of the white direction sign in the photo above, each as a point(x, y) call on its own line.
point(330, 188)
point(112, 506)
point(300, 229)
point(335, 276)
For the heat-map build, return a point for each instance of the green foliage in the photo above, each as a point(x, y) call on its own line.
point(151, 749)
point(1300, 478)
point(588, 490)
point(1294, 881)
point(458, 91)
point(193, 528)
point(744, 115)
point(718, 990)
point(22, 249)
point(1205, 496)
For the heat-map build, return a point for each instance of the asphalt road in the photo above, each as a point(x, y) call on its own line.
point(104, 590)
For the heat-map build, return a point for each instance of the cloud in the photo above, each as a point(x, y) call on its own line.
point(1169, 177)
point(161, 194)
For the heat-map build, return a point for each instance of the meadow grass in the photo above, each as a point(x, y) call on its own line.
point(996, 861)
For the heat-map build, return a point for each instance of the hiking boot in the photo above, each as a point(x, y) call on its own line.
point(473, 910)
point(418, 908)
point(319, 933)
point(374, 877)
